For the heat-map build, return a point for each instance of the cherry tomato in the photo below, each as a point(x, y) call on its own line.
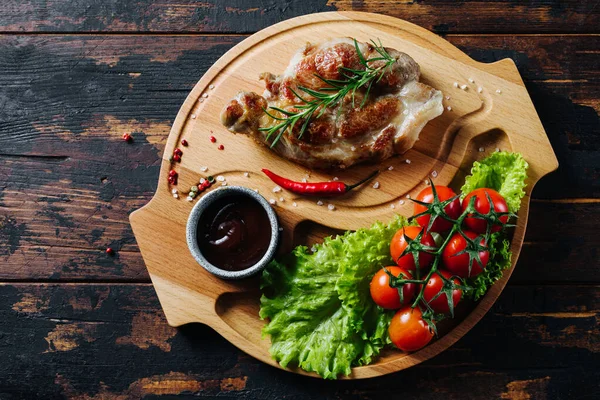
point(398, 245)
point(434, 286)
point(388, 297)
point(453, 209)
point(482, 205)
point(459, 264)
point(408, 331)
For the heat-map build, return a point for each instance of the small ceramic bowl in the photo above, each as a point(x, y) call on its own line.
point(200, 208)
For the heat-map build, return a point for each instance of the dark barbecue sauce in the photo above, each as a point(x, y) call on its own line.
point(234, 233)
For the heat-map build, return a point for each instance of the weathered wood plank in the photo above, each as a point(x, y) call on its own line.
point(237, 16)
point(110, 341)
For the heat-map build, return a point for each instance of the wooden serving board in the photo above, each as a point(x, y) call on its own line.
point(477, 124)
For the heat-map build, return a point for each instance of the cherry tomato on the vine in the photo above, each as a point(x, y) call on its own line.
point(388, 297)
point(459, 264)
point(399, 243)
point(408, 331)
point(482, 205)
point(434, 286)
point(453, 209)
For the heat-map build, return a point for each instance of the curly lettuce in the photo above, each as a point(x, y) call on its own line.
point(500, 258)
point(502, 171)
point(321, 317)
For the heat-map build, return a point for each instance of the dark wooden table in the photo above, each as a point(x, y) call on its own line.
point(77, 323)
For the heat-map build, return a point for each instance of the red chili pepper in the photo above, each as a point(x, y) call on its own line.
point(334, 188)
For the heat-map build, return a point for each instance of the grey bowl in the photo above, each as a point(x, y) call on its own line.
point(192, 228)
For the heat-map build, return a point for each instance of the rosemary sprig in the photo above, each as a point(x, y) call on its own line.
point(331, 95)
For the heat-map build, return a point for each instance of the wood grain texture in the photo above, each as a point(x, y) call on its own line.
point(243, 16)
point(70, 84)
point(477, 120)
point(68, 340)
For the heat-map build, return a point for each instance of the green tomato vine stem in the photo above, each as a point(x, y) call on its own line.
point(473, 247)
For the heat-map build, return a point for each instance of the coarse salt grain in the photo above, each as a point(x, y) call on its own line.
point(256, 190)
point(319, 203)
point(449, 108)
point(392, 206)
point(498, 91)
point(463, 87)
point(303, 180)
point(174, 191)
point(224, 184)
point(204, 169)
point(408, 196)
point(471, 80)
point(280, 229)
point(221, 178)
point(276, 189)
point(497, 150)
point(390, 168)
point(175, 195)
point(211, 86)
point(352, 148)
point(202, 180)
point(335, 178)
point(201, 100)
point(447, 97)
point(272, 201)
point(426, 182)
point(405, 112)
point(376, 185)
point(295, 204)
point(407, 161)
point(331, 207)
point(190, 199)
point(479, 89)
point(434, 174)
point(205, 95)
point(246, 174)
point(455, 84)
point(401, 202)
point(281, 199)
point(481, 149)
point(193, 116)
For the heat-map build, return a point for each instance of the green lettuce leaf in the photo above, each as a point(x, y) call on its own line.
point(502, 171)
point(321, 317)
point(500, 258)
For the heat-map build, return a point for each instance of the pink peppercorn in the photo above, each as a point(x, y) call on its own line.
point(221, 147)
point(213, 139)
point(184, 142)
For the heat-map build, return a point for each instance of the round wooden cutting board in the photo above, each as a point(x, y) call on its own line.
point(493, 112)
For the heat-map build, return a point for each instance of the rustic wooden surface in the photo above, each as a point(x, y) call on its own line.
point(78, 324)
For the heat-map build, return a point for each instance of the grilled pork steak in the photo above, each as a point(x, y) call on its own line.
point(354, 130)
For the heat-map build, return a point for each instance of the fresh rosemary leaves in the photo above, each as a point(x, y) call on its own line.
point(331, 95)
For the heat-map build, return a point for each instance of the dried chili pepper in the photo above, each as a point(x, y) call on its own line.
point(333, 188)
